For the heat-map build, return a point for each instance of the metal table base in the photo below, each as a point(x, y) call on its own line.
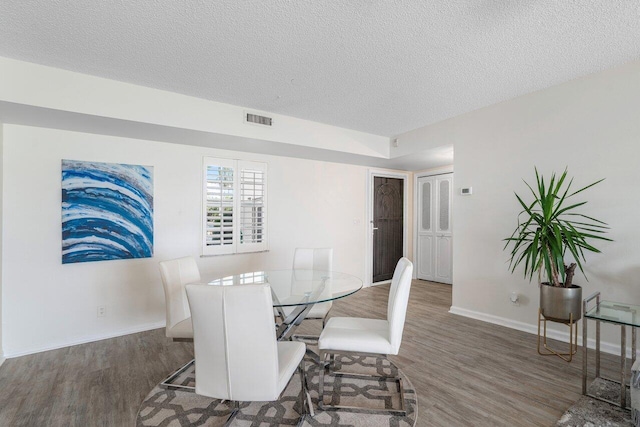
point(623, 321)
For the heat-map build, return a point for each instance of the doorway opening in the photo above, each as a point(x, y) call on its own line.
point(388, 213)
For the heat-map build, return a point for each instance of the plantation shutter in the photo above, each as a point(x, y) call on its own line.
point(235, 206)
point(253, 206)
point(219, 206)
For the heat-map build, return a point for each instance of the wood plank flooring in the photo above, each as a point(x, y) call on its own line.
point(466, 372)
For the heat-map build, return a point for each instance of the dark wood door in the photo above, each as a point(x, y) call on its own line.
point(388, 199)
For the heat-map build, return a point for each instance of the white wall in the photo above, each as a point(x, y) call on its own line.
point(591, 125)
point(434, 171)
point(48, 305)
point(1, 227)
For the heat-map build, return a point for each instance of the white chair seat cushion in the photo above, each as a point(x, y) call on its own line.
point(356, 334)
point(183, 329)
point(318, 311)
point(290, 353)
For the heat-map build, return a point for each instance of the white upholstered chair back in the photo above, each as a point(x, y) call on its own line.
point(175, 274)
point(398, 300)
point(235, 343)
point(313, 259)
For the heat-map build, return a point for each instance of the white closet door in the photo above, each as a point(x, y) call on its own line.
point(444, 238)
point(434, 234)
point(426, 254)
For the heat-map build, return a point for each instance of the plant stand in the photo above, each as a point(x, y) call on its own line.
point(573, 337)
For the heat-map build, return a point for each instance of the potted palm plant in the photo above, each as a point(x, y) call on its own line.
point(550, 228)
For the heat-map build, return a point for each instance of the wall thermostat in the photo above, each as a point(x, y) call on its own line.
point(467, 191)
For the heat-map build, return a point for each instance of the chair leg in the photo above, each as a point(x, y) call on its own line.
point(313, 337)
point(234, 412)
point(305, 400)
point(303, 388)
point(167, 382)
point(321, 366)
point(307, 337)
point(325, 370)
point(306, 407)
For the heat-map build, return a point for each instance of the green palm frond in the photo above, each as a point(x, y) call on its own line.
point(549, 227)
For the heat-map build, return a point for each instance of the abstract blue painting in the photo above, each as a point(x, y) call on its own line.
point(107, 211)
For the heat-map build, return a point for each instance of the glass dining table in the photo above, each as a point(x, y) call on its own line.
point(298, 289)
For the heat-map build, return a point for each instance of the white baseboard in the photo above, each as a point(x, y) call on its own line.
point(85, 340)
point(605, 347)
point(384, 282)
point(2, 359)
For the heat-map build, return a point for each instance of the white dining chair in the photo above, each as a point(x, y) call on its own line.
point(313, 259)
point(375, 337)
point(175, 275)
point(237, 355)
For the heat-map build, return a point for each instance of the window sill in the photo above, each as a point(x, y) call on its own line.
point(236, 253)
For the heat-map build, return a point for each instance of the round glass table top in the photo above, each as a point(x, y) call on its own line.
point(297, 287)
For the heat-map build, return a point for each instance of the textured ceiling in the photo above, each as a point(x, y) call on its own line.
point(383, 67)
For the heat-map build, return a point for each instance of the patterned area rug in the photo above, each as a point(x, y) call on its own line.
point(589, 412)
point(170, 408)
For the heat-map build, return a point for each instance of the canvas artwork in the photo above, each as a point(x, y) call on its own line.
point(107, 211)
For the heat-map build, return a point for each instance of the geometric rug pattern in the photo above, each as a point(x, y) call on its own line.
point(177, 408)
point(590, 412)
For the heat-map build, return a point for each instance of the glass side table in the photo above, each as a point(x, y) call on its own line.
point(618, 314)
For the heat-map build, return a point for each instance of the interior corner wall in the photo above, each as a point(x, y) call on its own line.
point(1, 244)
point(590, 125)
point(48, 305)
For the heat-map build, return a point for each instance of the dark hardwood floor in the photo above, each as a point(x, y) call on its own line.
point(466, 372)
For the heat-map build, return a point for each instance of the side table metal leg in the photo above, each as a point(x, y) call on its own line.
point(584, 354)
point(597, 349)
point(623, 366)
point(633, 345)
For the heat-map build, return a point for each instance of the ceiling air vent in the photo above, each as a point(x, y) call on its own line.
point(258, 120)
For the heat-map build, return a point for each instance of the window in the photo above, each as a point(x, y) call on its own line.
point(235, 206)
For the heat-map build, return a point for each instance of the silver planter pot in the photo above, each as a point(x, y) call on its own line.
point(558, 303)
